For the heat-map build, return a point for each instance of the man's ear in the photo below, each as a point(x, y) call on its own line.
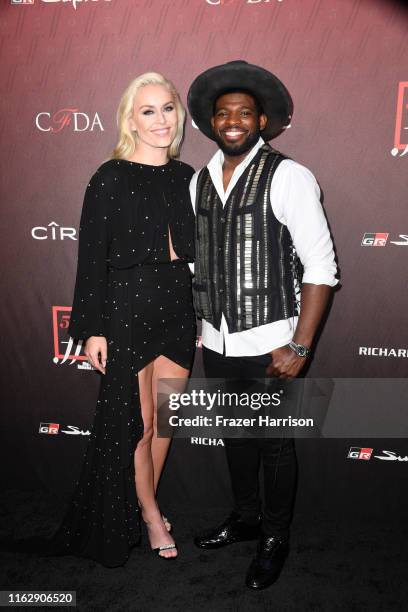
point(212, 122)
point(263, 120)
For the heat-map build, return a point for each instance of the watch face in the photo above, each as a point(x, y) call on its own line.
point(300, 350)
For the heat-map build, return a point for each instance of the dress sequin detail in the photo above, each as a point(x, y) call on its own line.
point(128, 291)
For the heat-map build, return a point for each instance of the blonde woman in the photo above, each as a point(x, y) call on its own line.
point(133, 307)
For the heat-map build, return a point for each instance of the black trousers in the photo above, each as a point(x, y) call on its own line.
point(245, 456)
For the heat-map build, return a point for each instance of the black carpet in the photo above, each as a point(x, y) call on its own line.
point(346, 565)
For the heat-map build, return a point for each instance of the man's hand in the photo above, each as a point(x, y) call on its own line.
point(285, 363)
point(96, 351)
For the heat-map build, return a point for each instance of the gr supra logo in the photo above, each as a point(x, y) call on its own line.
point(371, 239)
point(68, 118)
point(49, 428)
point(356, 452)
point(391, 456)
point(54, 429)
point(380, 239)
point(74, 3)
point(64, 351)
point(401, 122)
point(72, 430)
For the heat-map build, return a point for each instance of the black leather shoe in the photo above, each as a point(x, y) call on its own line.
point(232, 530)
point(267, 565)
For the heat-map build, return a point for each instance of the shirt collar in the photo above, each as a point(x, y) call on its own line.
point(217, 159)
point(215, 168)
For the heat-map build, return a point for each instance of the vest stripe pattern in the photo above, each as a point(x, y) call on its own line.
point(246, 266)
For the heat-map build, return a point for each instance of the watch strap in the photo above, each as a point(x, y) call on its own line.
point(299, 349)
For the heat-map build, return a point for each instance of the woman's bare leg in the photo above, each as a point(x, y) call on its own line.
point(163, 368)
point(144, 471)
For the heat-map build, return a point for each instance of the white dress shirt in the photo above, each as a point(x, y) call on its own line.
point(295, 201)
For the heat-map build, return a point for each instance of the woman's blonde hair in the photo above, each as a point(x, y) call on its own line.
point(127, 138)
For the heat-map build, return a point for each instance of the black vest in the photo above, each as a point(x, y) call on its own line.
point(246, 266)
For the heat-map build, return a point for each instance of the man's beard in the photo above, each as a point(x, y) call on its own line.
point(235, 150)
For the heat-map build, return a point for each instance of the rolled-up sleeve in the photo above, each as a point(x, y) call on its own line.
point(87, 315)
point(295, 200)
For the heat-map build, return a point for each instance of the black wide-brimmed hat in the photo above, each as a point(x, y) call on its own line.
point(269, 91)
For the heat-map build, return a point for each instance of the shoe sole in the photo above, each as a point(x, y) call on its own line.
point(223, 544)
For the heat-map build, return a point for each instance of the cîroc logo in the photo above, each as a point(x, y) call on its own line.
point(401, 122)
point(73, 3)
point(53, 231)
point(70, 118)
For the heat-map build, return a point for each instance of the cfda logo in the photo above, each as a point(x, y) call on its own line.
point(70, 118)
point(401, 122)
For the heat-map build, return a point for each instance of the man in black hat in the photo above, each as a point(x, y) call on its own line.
point(263, 275)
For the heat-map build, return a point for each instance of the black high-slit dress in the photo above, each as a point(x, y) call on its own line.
point(129, 291)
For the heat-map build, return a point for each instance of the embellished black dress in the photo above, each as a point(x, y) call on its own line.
point(128, 291)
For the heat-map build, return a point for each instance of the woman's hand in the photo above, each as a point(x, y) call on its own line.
point(96, 351)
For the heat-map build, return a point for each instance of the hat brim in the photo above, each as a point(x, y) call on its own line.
point(270, 92)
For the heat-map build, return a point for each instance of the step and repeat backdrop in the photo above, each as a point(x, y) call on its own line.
point(65, 64)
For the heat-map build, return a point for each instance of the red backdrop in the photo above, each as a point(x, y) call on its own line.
point(64, 67)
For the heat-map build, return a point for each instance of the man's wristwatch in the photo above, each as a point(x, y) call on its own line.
point(299, 349)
